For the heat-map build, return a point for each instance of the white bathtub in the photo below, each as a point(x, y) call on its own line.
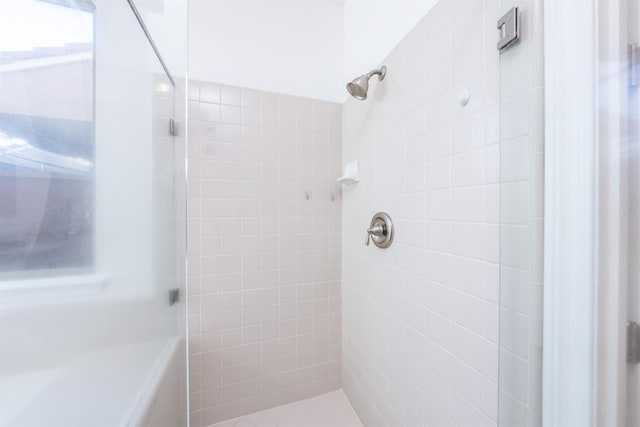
point(133, 385)
point(162, 400)
point(95, 365)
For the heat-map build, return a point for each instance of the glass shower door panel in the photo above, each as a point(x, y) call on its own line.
point(89, 232)
point(521, 228)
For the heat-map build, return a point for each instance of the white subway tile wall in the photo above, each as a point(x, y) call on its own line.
point(421, 333)
point(264, 250)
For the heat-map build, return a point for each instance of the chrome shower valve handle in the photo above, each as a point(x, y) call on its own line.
point(380, 230)
point(376, 230)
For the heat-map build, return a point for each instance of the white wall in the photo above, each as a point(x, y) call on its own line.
point(374, 27)
point(166, 21)
point(125, 67)
point(289, 47)
point(308, 48)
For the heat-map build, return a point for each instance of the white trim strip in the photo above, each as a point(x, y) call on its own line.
point(49, 61)
point(570, 212)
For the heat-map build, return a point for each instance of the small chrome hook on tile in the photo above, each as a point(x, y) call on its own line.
point(307, 195)
point(333, 198)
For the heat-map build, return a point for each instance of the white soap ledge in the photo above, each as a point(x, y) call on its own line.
point(350, 174)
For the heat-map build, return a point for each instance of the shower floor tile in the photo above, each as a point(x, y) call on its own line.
point(327, 410)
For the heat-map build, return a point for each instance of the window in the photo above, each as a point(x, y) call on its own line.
point(46, 137)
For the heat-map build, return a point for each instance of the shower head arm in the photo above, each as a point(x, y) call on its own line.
point(380, 72)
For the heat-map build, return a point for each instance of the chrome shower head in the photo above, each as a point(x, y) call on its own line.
point(359, 87)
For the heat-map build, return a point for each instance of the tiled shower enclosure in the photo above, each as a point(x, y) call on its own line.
point(264, 250)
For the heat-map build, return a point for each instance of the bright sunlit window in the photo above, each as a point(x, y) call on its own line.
point(46, 137)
